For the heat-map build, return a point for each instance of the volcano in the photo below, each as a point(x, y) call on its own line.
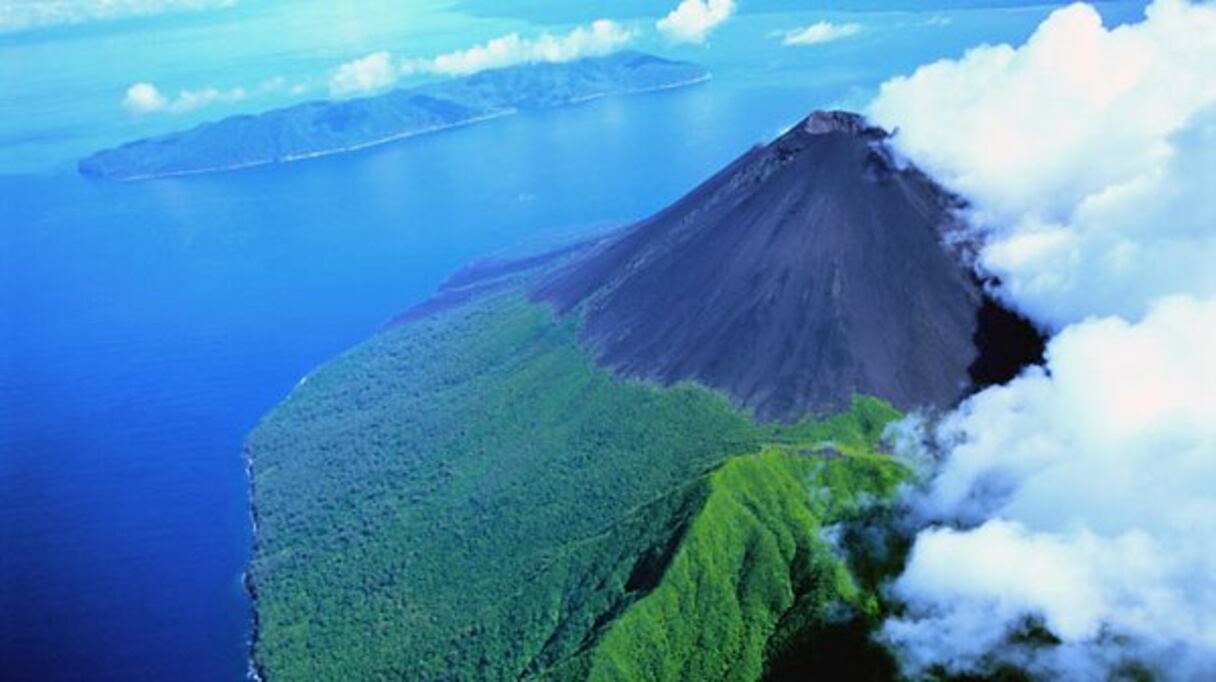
point(616, 460)
point(810, 270)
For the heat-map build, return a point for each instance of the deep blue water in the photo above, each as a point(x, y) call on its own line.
point(144, 328)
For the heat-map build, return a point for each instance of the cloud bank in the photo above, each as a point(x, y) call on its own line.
point(381, 70)
point(1076, 149)
point(693, 20)
point(21, 15)
point(821, 32)
point(1082, 499)
point(1069, 517)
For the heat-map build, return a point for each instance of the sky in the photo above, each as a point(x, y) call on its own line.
point(24, 15)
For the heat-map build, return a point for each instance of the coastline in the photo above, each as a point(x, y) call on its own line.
point(640, 91)
point(254, 670)
point(303, 156)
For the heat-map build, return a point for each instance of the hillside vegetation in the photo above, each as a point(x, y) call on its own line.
point(754, 575)
point(470, 497)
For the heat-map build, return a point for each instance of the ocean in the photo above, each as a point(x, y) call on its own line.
point(146, 327)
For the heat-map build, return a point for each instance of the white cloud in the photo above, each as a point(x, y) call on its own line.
point(1093, 484)
point(821, 32)
point(598, 38)
point(1081, 497)
point(21, 15)
point(373, 72)
point(143, 98)
point(146, 98)
point(380, 70)
point(1066, 145)
point(693, 20)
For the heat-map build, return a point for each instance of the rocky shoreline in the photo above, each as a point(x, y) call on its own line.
point(254, 671)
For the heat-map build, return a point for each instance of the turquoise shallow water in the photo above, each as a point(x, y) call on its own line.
point(144, 328)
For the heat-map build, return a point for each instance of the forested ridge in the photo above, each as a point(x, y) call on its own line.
point(470, 497)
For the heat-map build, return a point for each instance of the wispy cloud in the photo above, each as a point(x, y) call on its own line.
point(1079, 498)
point(373, 72)
point(381, 70)
point(21, 15)
point(693, 20)
point(598, 38)
point(147, 98)
point(821, 32)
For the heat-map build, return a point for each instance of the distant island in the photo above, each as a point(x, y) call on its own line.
point(322, 128)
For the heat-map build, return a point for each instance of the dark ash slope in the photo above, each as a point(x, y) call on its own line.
point(809, 270)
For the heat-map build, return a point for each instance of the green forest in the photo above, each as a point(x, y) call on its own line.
point(470, 496)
